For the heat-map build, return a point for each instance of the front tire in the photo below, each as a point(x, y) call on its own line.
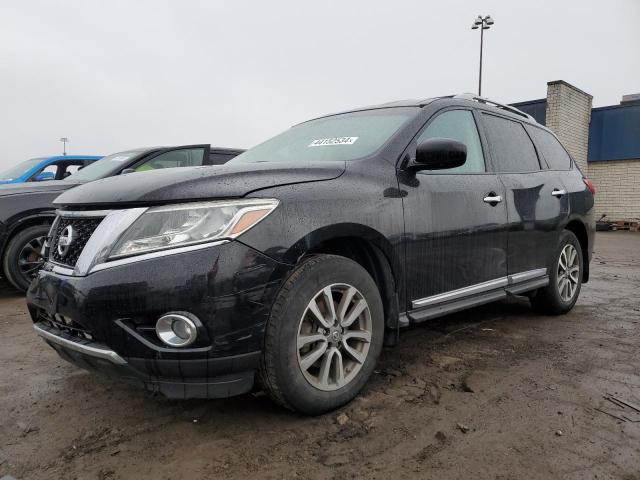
point(565, 278)
point(323, 337)
point(22, 258)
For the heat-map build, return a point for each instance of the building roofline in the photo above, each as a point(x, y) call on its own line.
point(528, 102)
point(614, 107)
point(562, 82)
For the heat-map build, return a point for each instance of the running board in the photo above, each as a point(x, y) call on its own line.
point(528, 286)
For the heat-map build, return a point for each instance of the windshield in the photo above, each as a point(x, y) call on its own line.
point(104, 167)
point(19, 169)
point(347, 136)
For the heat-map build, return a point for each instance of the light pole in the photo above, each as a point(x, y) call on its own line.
point(64, 141)
point(482, 23)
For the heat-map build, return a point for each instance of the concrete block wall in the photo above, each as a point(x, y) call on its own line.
point(568, 115)
point(618, 188)
point(617, 181)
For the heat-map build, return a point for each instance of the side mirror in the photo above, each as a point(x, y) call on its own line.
point(127, 170)
point(439, 154)
point(42, 176)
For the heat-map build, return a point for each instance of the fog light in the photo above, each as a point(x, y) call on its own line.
point(176, 330)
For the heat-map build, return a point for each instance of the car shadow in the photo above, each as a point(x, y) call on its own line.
point(8, 291)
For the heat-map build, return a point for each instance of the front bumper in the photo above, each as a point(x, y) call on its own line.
point(226, 376)
point(112, 312)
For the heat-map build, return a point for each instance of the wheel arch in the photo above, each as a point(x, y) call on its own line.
point(367, 247)
point(18, 225)
point(579, 229)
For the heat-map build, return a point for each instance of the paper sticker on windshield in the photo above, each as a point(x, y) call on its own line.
point(120, 158)
point(322, 142)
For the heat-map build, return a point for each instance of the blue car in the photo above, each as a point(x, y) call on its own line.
point(46, 168)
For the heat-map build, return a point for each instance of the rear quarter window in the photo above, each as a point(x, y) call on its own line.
point(551, 149)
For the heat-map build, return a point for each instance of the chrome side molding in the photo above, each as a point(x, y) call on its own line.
point(461, 292)
point(528, 275)
point(501, 282)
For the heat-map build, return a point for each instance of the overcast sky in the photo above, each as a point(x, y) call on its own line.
point(121, 74)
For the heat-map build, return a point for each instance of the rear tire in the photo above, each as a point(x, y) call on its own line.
point(565, 278)
point(323, 337)
point(22, 258)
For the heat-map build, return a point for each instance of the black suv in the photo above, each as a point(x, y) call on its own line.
point(293, 263)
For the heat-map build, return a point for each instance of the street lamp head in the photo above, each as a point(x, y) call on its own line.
point(478, 21)
point(474, 26)
point(64, 139)
point(488, 20)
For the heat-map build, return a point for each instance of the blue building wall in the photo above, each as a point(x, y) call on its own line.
point(614, 133)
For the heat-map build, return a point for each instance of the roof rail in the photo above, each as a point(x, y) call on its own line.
point(476, 98)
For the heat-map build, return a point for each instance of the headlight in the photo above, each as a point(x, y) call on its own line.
point(173, 226)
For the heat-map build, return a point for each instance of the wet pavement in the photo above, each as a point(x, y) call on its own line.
point(496, 392)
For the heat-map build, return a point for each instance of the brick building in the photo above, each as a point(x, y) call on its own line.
point(605, 143)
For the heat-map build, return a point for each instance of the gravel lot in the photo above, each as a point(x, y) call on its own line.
point(494, 392)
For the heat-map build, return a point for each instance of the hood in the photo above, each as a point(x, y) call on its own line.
point(196, 183)
point(35, 187)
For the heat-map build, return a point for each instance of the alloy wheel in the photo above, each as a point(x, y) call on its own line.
point(334, 337)
point(568, 273)
point(30, 257)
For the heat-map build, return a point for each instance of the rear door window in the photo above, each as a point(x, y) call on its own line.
point(511, 148)
point(73, 168)
point(185, 157)
point(551, 149)
point(458, 125)
point(216, 158)
point(70, 168)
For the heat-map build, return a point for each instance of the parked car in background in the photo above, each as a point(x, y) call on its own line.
point(26, 210)
point(292, 263)
point(46, 168)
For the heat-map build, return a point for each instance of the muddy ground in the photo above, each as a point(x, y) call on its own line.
point(495, 392)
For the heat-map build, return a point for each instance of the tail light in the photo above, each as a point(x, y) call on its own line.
point(589, 185)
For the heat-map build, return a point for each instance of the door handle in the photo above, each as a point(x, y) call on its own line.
point(492, 199)
point(558, 193)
